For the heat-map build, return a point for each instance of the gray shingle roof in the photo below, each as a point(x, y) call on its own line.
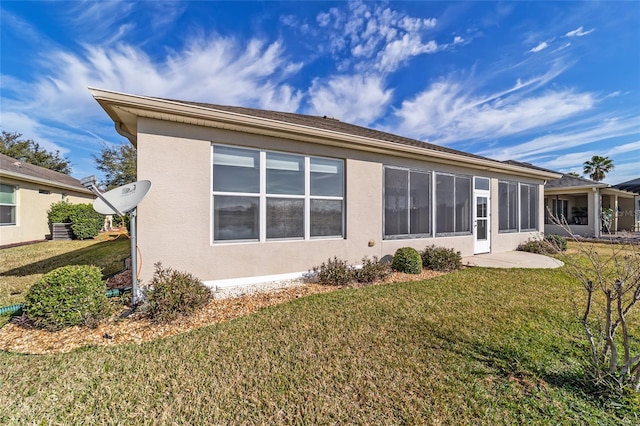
point(630, 185)
point(8, 164)
point(569, 181)
point(331, 124)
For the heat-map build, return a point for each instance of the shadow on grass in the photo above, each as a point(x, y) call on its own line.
point(107, 255)
point(512, 364)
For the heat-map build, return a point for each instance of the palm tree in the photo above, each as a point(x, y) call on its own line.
point(597, 167)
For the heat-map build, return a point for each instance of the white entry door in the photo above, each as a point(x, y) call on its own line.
point(481, 219)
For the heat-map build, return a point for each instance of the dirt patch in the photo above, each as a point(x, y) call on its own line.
point(136, 328)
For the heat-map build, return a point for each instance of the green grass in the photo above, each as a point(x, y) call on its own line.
point(21, 266)
point(478, 346)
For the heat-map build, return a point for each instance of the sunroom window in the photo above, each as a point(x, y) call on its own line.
point(266, 195)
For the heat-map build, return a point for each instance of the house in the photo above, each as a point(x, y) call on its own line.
point(26, 194)
point(585, 204)
point(243, 195)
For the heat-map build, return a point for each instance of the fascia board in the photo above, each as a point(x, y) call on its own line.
point(114, 102)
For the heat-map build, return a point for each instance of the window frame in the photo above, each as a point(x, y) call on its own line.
point(430, 197)
point(455, 233)
point(264, 196)
point(518, 207)
point(13, 205)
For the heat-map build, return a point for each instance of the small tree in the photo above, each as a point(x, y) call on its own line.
point(611, 282)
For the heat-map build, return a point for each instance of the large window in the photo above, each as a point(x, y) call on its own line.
point(407, 202)
point(453, 204)
point(265, 195)
point(517, 207)
point(7, 204)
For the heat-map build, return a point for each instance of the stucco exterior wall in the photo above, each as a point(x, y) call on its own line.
point(31, 210)
point(175, 219)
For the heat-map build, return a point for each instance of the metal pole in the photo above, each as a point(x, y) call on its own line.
point(134, 259)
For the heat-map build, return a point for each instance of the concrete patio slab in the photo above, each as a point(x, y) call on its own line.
point(512, 259)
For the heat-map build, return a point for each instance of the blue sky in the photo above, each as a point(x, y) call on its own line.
point(551, 83)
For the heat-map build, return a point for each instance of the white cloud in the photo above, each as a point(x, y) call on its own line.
point(579, 32)
point(449, 111)
point(457, 40)
point(375, 35)
point(218, 71)
point(539, 47)
point(354, 99)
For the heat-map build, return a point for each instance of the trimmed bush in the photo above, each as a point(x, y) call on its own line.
point(86, 223)
point(441, 259)
point(372, 270)
point(334, 272)
point(67, 296)
point(60, 213)
point(172, 294)
point(407, 260)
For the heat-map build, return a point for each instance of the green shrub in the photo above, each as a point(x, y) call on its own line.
point(550, 244)
point(557, 242)
point(372, 270)
point(532, 246)
point(333, 272)
point(407, 260)
point(441, 259)
point(171, 294)
point(85, 221)
point(59, 213)
point(67, 296)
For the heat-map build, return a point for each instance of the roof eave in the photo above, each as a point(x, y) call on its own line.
point(47, 182)
point(124, 109)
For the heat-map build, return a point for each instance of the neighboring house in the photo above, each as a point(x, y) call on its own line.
point(581, 203)
point(26, 194)
point(242, 195)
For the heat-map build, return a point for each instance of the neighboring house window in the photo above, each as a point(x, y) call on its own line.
point(528, 207)
point(407, 202)
point(260, 195)
point(453, 204)
point(560, 210)
point(517, 207)
point(7, 204)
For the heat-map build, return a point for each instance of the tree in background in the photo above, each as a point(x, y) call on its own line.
point(574, 174)
point(118, 165)
point(598, 167)
point(30, 151)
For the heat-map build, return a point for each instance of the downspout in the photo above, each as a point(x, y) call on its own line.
point(132, 138)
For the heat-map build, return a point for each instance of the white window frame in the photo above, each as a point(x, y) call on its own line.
point(14, 205)
point(263, 196)
point(435, 205)
point(519, 212)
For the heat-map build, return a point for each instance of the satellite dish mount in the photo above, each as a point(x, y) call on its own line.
point(120, 201)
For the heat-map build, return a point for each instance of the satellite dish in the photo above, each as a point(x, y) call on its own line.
point(124, 198)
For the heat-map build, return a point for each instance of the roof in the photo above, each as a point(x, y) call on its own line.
point(522, 164)
point(630, 185)
point(16, 169)
point(125, 109)
point(569, 181)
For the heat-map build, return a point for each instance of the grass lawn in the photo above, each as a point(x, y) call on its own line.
point(478, 346)
point(21, 266)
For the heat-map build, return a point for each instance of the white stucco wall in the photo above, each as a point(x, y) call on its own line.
point(175, 219)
